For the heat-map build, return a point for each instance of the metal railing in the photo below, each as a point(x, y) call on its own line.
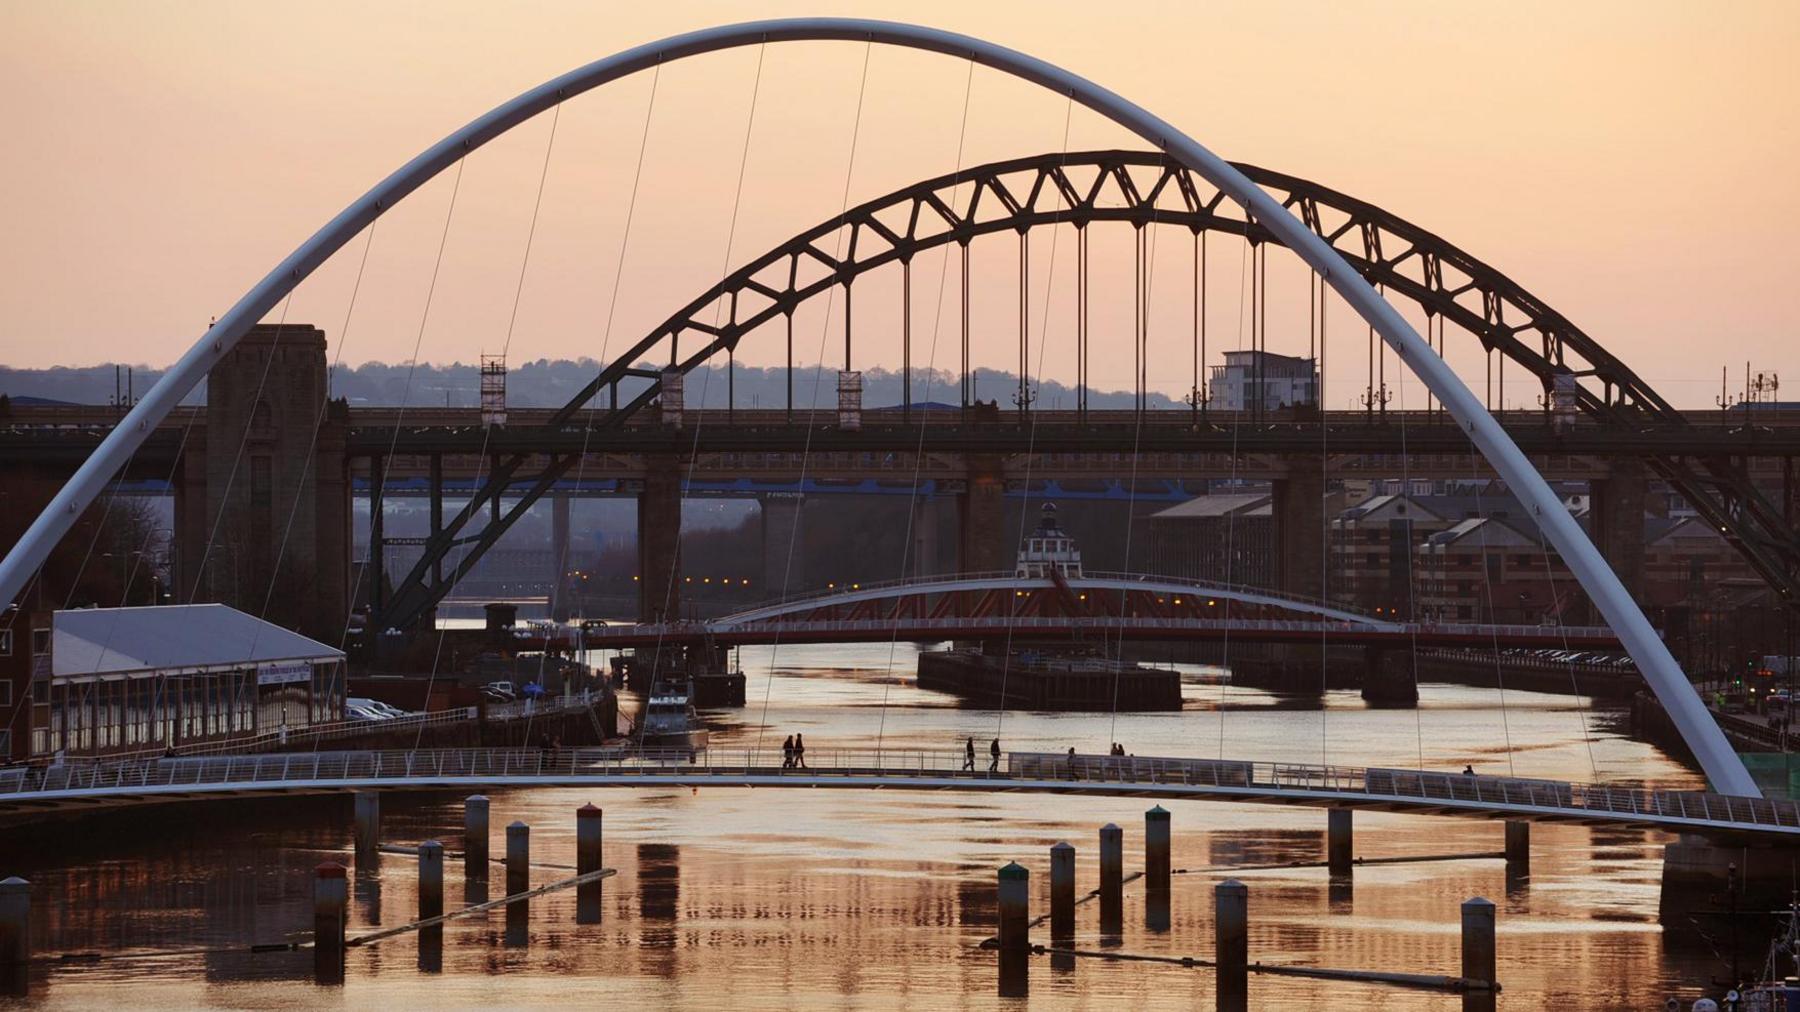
point(307, 735)
point(1250, 780)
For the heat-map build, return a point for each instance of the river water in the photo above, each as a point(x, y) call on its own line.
point(786, 899)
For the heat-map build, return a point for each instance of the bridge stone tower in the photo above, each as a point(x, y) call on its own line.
point(1616, 508)
point(985, 545)
point(1298, 503)
point(784, 545)
point(262, 507)
point(659, 540)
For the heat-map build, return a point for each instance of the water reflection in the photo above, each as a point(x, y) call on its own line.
point(659, 906)
point(1340, 894)
point(779, 899)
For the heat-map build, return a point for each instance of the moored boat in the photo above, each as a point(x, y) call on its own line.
point(669, 720)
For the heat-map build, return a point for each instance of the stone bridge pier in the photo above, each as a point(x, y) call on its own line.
point(560, 585)
point(262, 497)
point(1616, 520)
point(1299, 530)
point(659, 540)
point(985, 546)
point(783, 544)
point(1389, 678)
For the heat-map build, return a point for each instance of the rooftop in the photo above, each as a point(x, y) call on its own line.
point(1199, 507)
point(174, 637)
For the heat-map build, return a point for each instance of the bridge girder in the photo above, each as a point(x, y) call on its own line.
point(1145, 189)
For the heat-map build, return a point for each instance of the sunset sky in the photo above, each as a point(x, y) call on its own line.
point(1631, 163)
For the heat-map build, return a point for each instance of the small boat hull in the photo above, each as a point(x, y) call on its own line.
point(689, 741)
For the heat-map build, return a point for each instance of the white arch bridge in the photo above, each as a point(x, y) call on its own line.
point(137, 782)
point(1723, 767)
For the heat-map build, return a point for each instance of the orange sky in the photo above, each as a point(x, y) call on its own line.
point(1631, 163)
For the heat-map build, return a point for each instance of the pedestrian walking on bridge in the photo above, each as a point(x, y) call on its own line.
point(969, 755)
point(994, 756)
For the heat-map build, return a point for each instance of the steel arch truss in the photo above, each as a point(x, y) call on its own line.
point(1140, 189)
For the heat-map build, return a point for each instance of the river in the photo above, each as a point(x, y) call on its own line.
point(787, 899)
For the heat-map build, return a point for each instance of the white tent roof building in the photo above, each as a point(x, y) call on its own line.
point(173, 639)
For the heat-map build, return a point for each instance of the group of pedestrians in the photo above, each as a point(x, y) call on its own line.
point(793, 752)
point(993, 755)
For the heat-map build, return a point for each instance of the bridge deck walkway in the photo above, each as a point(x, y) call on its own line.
point(108, 783)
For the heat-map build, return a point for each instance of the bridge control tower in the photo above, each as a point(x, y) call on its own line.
point(1048, 549)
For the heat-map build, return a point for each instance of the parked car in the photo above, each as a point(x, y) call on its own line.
point(356, 709)
point(500, 692)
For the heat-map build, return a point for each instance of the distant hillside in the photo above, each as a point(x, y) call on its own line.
point(547, 383)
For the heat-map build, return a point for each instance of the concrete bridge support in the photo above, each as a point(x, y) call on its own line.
point(431, 879)
point(985, 545)
point(1231, 945)
point(933, 532)
point(1518, 849)
point(659, 541)
point(560, 586)
point(475, 843)
point(15, 925)
point(1389, 678)
point(588, 837)
point(1701, 874)
point(1062, 892)
point(331, 911)
point(1112, 880)
point(1156, 869)
point(368, 829)
point(518, 880)
point(263, 500)
point(784, 551)
point(1478, 952)
point(1616, 507)
point(1013, 892)
point(1299, 512)
point(1339, 852)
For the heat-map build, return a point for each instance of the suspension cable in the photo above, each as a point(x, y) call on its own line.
point(1488, 599)
point(737, 200)
point(937, 321)
point(1031, 427)
point(1412, 618)
point(1324, 484)
point(318, 423)
point(1148, 259)
point(818, 372)
point(487, 430)
point(1556, 602)
point(1237, 421)
point(378, 474)
point(243, 440)
point(612, 303)
point(306, 463)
